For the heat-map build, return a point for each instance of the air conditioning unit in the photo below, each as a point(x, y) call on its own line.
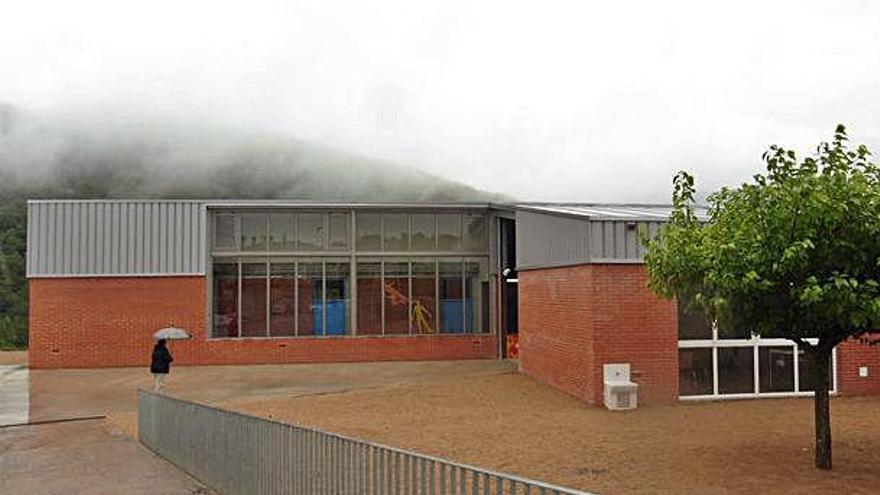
point(620, 393)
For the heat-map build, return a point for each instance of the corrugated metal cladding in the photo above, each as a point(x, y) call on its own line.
point(616, 241)
point(559, 235)
point(544, 240)
point(104, 238)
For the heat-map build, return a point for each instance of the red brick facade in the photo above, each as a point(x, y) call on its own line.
point(105, 322)
point(575, 319)
point(572, 321)
point(850, 357)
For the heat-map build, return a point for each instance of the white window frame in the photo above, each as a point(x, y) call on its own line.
point(755, 343)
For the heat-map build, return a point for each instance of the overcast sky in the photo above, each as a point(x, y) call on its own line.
point(544, 100)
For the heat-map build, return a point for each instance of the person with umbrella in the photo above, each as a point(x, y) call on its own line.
point(160, 364)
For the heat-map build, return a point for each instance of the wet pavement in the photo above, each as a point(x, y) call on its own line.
point(102, 456)
point(84, 457)
point(14, 394)
point(113, 391)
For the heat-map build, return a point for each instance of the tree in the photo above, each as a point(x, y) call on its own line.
point(795, 253)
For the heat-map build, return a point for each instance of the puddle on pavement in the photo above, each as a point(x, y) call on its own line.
point(14, 395)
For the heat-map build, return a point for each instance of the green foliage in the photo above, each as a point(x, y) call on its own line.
point(13, 333)
point(794, 254)
point(13, 286)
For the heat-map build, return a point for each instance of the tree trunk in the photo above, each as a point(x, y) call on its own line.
point(821, 362)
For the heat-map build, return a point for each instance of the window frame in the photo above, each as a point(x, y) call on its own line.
point(350, 255)
point(755, 343)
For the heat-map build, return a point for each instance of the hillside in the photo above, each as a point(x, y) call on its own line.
point(56, 157)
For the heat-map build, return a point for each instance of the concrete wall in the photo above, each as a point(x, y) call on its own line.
point(575, 319)
point(109, 321)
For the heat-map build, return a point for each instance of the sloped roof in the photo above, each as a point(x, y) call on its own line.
point(599, 211)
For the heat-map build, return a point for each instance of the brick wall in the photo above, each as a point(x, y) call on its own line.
point(109, 321)
point(850, 356)
point(556, 327)
point(575, 319)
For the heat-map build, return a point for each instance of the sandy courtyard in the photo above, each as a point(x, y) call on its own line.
point(511, 423)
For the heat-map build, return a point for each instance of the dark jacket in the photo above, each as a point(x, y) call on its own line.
point(161, 361)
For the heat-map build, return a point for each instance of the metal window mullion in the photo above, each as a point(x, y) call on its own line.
point(382, 289)
point(268, 292)
point(756, 370)
point(236, 232)
point(381, 232)
point(834, 370)
point(797, 377)
point(325, 217)
point(409, 231)
point(463, 298)
point(238, 302)
point(296, 232)
point(352, 274)
point(715, 370)
point(436, 295)
point(324, 298)
point(409, 295)
point(296, 298)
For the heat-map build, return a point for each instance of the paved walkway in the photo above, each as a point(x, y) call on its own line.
point(14, 396)
point(84, 457)
point(95, 457)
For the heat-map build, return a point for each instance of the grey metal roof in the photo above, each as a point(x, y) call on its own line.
point(598, 211)
point(277, 203)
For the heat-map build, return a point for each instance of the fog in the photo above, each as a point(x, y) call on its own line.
point(555, 101)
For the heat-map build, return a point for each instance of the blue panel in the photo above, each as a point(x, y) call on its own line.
point(469, 316)
point(335, 317)
point(450, 316)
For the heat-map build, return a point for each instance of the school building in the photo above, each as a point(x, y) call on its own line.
point(562, 286)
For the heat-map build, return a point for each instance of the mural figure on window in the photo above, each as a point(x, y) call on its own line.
point(394, 295)
point(422, 318)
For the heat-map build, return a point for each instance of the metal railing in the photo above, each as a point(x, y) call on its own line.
point(239, 454)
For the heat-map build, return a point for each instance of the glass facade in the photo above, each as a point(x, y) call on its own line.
point(302, 273)
point(719, 363)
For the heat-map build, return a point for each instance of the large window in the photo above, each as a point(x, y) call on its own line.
point(282, 232)
point(225, 301)
point(310, 231)
point(302, 273)
point(254, 317)
point(719, 363)
point(224, 233)
point(369, 298)
point(424, 227)
point(424, 297)
point(422, 232)
point(451, 297)
point(282, 299)
point(369, 231)
point(253, 232)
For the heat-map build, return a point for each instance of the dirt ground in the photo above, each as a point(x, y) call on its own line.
point(511, 423)
point(70, 393)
